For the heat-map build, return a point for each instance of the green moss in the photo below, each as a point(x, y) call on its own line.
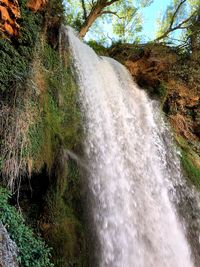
point(192, 171)
point(59, 118)
point(32, 250)
point(188, 159)
point(161, 92)
point(58, 127)
point(48, 103)
point(63, 214)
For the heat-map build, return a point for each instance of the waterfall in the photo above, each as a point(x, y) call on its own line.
point(132, 168)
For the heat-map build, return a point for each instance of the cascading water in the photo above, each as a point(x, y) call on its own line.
point(130, 175)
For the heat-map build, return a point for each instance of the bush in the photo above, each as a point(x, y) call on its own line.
point(17, 54)
point(32, 250)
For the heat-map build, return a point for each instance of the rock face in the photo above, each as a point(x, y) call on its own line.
point(9, 15)
point(151, 67)
point(36, 5)
point(8, 249)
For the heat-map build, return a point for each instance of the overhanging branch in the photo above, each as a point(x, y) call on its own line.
point(180, 26)
point(111, 12)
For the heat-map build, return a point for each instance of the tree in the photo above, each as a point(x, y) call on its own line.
point(193, 32)
point(97, 10)
point(86, 12)
point(183, 15)
point(129, 23)
point(178, 16)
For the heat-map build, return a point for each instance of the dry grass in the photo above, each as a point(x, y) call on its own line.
point(183, 126)
point(15, 123)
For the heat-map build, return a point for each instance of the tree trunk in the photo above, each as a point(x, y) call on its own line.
point(94, 14)
point(97, 11)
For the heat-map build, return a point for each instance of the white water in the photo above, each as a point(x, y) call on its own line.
point(130, 178)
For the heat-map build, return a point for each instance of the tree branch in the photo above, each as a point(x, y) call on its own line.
point(175, 13)
point(84, 9)
point(111, 2)
point(105, 3)
point(96, 11)
point(111, 12)
point(179, 26)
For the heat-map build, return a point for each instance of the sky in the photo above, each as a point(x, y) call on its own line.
point(150, 15)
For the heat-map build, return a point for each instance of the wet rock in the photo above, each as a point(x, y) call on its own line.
point(8, 249)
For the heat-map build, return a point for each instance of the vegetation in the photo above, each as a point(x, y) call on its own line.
point(58, 127)
point(32, 250)
point(17, 54)
point(61, 226)
point(124, 15)
point(58, 121)
point(41, 120)
point(190, 160)
point(40, 117)
point(193, 172)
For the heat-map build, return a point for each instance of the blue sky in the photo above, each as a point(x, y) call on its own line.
point(150, 15)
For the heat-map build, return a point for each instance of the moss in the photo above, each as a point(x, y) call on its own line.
point(59, 118)
point(58, 127)
point(161, 91)
point(189, 159)
point(62, 220)
point(193, 172)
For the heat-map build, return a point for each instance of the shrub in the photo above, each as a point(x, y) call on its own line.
point(17, 54)
point(32, 250)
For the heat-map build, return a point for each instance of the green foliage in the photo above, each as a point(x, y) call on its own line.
point(122, 16)
point(129, 25)
point(192, 171)
point(16, 55)
point(98, 48)
point(32, 250)
point(180, 26)
point(188, 159)
point(161, 92)
point(53, 120)
point(57, 9)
